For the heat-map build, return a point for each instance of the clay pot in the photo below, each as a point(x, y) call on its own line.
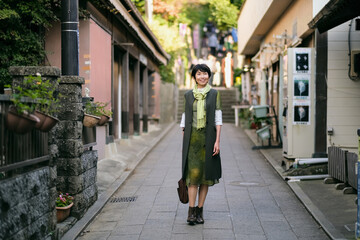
point(90, 120)
point(20, 123)
point(46, 123)
point(104, 119)
point(63, 212)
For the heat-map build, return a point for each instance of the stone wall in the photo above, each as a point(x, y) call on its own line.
point(27, 200)
point(27, 206)
point(167, 102)
point(76, 168)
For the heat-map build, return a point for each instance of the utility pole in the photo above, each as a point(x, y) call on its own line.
point(70, 37)
point(149, 10)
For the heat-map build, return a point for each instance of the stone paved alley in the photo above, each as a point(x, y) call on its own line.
point(250, 202)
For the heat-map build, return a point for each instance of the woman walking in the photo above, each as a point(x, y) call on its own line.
point(201, 123)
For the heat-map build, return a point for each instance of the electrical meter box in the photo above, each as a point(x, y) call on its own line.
point(299, 103)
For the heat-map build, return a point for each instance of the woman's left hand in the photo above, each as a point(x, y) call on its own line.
point(216, 148)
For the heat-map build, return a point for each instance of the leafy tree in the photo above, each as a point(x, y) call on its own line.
point(196, 13)
point(237, 3)
point(223, 13)
point(140, 5)
point(168, 36)
point(22, 28)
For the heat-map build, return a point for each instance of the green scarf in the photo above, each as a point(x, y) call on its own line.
point(200, 97)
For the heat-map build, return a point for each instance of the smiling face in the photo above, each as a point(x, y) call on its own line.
point(201, 78)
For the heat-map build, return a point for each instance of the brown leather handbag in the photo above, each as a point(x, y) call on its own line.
point(183, 191)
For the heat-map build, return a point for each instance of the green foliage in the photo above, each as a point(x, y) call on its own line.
point(41, 93)
point(97, 109)
point(223, 13)
point(140, 5)
point(22, 27)
point(47, 98)
point(237, 3)
point(170, 40)
point(167, 34)
point(192, 14)
point(22, 92)
point(64, 200)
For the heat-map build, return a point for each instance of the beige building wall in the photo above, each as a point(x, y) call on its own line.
point(251, 15)
point(299, 13)
point(343, 106)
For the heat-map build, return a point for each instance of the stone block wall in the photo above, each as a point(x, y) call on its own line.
point(167, 102)
point(76, 168)
point(27, 206)
point(27, 200)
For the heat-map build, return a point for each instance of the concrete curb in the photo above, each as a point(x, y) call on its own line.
point(105, 196)
point(329, 229)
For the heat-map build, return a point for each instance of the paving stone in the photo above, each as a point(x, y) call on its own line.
point(181, 228)
point(185, 236)
point(231, 211)
point(281, 235)
point(308, 232)
point(250, 237)
point(218, 224)
point(102, 226)
point(124, 237)
point(274, 226)
point(94, 236)
point(127, 230)
point(218, 234)
point(151, 234)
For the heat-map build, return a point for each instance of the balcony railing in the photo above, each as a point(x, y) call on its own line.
point(18, 151)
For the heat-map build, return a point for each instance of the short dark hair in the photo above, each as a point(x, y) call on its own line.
point(201, 68)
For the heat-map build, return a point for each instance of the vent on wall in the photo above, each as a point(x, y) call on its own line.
point(355, 63)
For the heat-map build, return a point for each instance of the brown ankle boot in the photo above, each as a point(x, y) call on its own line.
point(199, 215)
point(191, 216)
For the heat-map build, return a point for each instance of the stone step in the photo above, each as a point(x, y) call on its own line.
point(228, 98)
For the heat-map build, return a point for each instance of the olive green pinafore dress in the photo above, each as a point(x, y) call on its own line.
point(195, 171)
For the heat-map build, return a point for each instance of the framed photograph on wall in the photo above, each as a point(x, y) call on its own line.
point(302, 61)
point(301, 86)
point(301, 113)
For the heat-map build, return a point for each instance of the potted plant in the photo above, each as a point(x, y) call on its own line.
point(47, 103)
point(19, 117)
point(63, 204)
point(91, 117)
point(41, 103)
point(104, 113)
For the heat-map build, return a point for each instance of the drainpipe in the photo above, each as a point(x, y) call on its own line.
point(70, 37)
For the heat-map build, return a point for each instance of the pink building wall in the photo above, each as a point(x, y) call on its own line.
point(100, 58)
point(94, 57)
point(94, 64)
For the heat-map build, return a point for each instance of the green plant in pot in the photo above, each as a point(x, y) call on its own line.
point(20, 118)
point(48, 103)
point(105, 114)
point(63, 204)
point(96, 111)
point(91, 115)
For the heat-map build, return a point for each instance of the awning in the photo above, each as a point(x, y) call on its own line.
point(335, 13)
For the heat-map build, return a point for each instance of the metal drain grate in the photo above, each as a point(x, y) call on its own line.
point(123, 199)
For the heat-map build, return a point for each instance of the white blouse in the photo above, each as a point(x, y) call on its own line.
point(218, 118)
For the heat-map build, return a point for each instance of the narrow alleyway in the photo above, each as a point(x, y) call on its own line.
point(250, 202)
